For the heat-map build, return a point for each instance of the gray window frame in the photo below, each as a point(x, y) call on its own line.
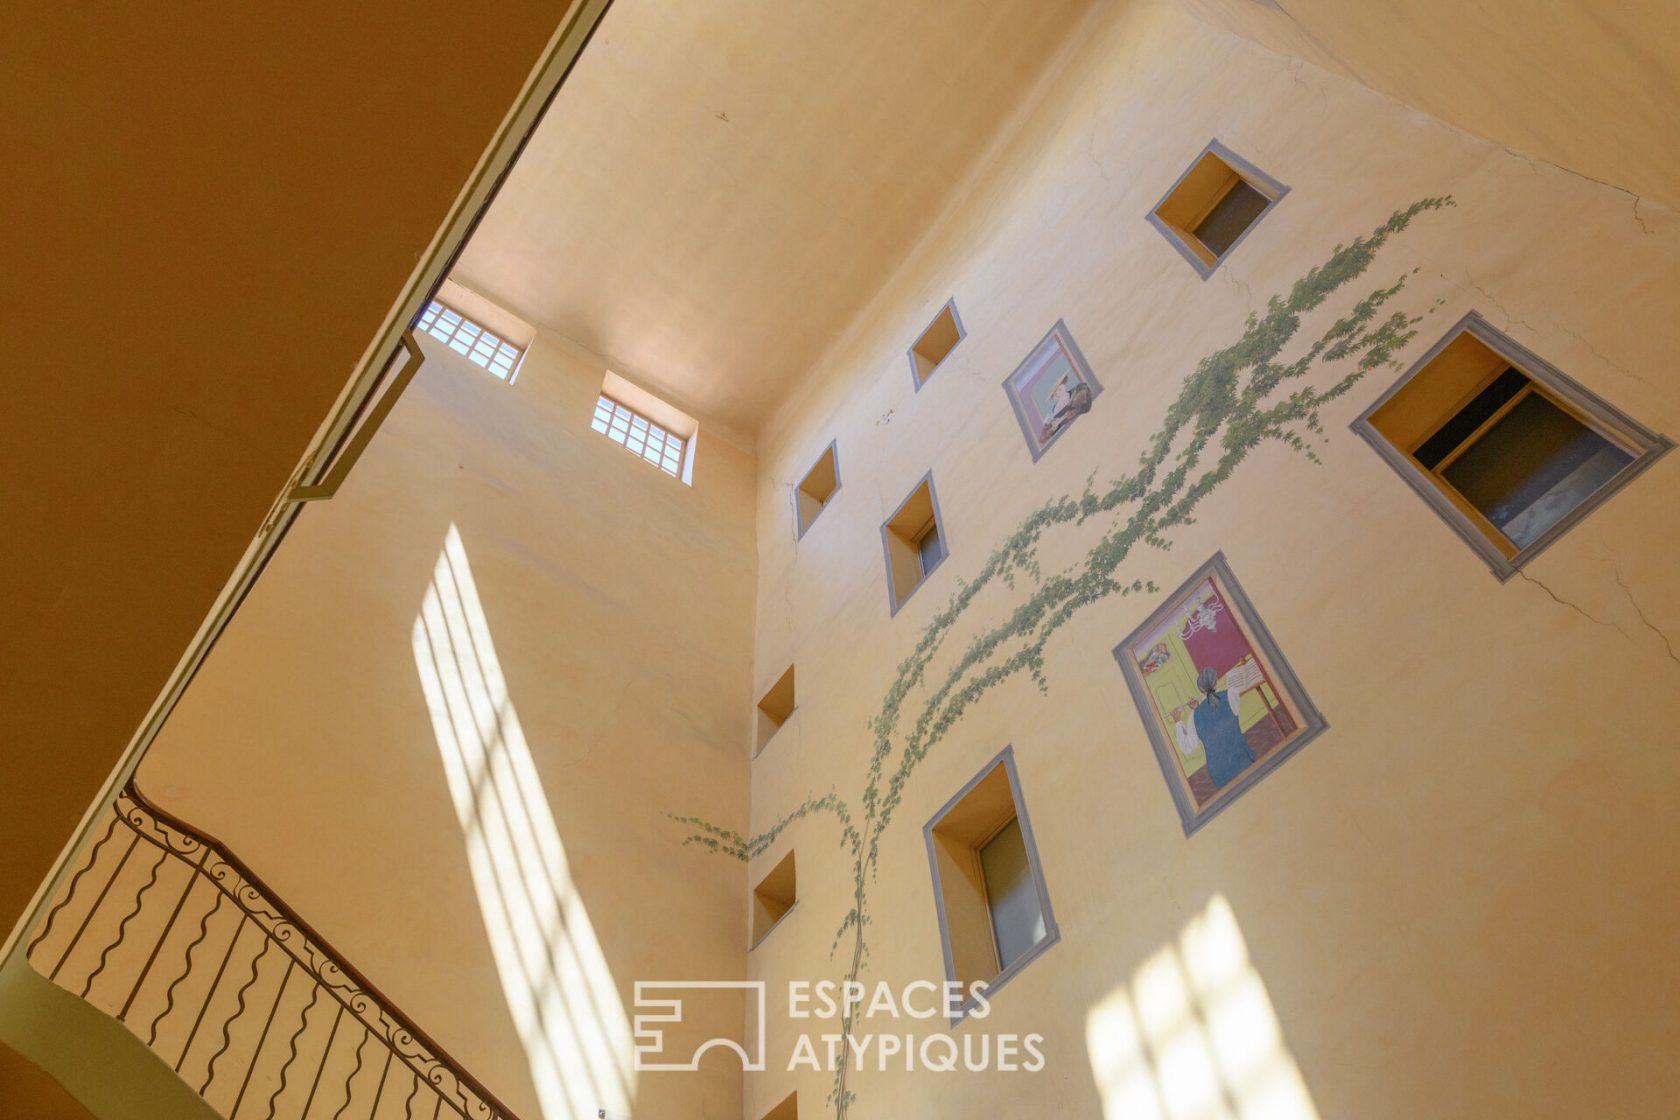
point(916, 379)
point(799, 528)
point(1651, 445)
point(1052, 932)
point(894, 603)
point(1273, 189)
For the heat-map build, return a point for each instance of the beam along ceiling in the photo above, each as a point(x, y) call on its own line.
point(720, 186)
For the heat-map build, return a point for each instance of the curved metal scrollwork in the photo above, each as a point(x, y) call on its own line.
point(167, 931)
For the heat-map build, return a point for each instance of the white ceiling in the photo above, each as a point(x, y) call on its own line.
point(722, 184)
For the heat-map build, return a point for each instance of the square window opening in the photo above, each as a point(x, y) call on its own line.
point(651, 429)
point(914, 542)
point(994, 912)
point(816, 490)
point(774, 709)
point(774, 898)
point(1508, 450)
point(1214, 205)
point(936, 343)
point(473, 341)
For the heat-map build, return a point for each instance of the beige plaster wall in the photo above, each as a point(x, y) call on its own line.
point(208, 216)
point(1460, 898)
point(1591, 87)
point(619, 604)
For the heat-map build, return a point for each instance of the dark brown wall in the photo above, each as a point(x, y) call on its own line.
point(208, 211)
point(29, 1094)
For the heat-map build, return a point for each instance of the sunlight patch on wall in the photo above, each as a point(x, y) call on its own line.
point(1194, 1036)
point(559, 991)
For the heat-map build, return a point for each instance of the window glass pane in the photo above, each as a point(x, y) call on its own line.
point(1534, 465)
point(1470, 417)
point(929, 548)
point(481, 347)
point(1011, 894)
point(1229, 217)
point(639, 435)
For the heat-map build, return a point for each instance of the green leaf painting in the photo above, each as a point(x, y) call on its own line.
point(1233, 401)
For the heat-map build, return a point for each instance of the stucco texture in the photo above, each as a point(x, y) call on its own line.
point(606, 626)
point(1459, 897)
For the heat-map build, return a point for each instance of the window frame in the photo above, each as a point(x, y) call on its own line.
point(761, 713)
point(800, 525)
point(1052, 932)
point(1469, 523)
point(790, 859)
point(422, 326)
point(895, 602)
point(917, 377)
point(1273, 190)
point(685, 443)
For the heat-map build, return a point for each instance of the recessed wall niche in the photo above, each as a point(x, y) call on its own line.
point(936, 343)
point(774, 708)
point(1509, 451)
point(994, 910)
point(816, 490)
point(913, 539)
point(773, 898)
point(1214, 205)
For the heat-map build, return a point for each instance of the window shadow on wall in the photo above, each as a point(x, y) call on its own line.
point(1194, 1037)
point(559, 990)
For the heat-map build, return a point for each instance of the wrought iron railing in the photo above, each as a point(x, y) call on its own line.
point(164, 929)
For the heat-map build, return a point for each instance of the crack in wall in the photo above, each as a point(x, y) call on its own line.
point(1576, 607)
point(1668, 645)
point(1640, 611)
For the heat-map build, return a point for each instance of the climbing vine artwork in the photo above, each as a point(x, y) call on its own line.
point(1234, 401)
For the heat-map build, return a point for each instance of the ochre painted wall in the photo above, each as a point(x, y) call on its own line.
point(209, 212)
point(1461, 897)
point(1591, 87)
point(618, 602)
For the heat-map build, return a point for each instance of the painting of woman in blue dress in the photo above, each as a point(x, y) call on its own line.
point(1221, 705)
point(1219, 730)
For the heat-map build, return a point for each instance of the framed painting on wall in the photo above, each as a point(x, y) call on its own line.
point(1221, 705)
point(1051, 389)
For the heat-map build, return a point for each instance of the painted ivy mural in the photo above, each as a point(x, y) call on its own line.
point(1237, 399)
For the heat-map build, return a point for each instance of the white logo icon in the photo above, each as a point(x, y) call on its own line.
point(650, 1039)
